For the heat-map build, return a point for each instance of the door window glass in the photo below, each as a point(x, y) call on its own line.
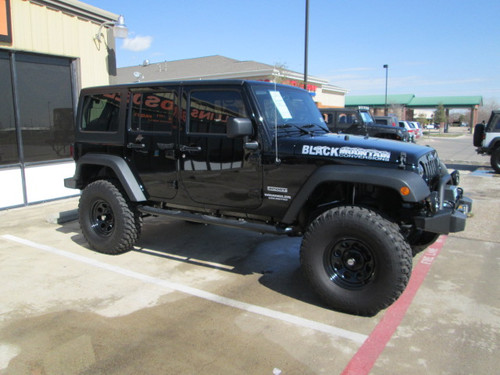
point(154, 111)
point(210, 110)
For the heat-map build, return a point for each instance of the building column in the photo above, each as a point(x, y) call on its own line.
point(473, 117)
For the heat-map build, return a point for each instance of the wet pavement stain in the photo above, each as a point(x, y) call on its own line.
point(151, 341)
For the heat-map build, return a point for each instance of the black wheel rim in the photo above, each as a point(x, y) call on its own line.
point(350, 263)
point(102, 219)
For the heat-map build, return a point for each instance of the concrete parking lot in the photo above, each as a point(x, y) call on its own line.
point(203, 299)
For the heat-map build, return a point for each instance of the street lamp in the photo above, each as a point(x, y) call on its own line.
point(386, 67)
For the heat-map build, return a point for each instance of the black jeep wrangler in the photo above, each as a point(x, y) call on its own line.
point(359, 121)
point(258, 156)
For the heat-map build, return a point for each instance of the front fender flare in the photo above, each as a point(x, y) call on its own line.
point(394, 179)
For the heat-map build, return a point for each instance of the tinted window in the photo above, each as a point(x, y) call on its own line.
point(8, 139)
point(210, 110)
point(346, 118)
point(100, 112)
point(44, 90)
point(154, 111)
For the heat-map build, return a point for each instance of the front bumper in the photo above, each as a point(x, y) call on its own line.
point(451, 209)
point(447, 219)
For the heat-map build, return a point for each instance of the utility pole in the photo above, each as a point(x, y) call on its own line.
point(386, 67)
point(305, 49)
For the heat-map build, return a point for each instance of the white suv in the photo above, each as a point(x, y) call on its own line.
point(487, 139)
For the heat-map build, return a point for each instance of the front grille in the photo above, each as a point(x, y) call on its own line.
point(432, 167)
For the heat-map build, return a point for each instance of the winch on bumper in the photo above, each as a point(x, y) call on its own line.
point(447, 207)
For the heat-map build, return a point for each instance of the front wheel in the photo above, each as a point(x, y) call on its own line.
point(108, 221)
point(495, 160)
point(357, 261)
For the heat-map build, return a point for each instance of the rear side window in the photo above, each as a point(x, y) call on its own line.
point(100, 112)
point(154, 111)
point(210, 110)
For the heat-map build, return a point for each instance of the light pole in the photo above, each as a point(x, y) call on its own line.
point(305, 48)
point(386, 67)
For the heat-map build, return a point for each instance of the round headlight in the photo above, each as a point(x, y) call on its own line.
point(421, 169)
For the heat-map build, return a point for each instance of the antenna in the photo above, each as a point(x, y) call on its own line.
point(277, 159)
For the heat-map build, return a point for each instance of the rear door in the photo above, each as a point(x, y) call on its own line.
point(215, 169)
point(154, 124)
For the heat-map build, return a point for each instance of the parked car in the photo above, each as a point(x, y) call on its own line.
point(418, 128)
point(411, 130)
point(432, 126)
point(386, 120)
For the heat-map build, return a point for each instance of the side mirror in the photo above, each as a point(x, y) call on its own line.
point(239, 127)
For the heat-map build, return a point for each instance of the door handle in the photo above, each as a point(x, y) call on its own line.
point(185, 148)
point(136, 146)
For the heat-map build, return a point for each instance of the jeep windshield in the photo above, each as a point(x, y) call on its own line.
point(367, 118)
point(288, 109)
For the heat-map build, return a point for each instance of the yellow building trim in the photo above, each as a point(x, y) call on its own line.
point(63, 28)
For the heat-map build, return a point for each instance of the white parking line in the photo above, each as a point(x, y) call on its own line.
point(321, 327)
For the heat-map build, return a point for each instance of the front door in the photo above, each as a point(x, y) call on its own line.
point(215, 169)
point(154, 124)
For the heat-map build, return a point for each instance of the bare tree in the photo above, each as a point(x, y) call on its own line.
point(484, 112)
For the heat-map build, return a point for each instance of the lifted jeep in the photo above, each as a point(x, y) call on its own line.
point(258, 156)
point(487, 139)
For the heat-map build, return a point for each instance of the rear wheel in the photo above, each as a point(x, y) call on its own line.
point(109, 223)
point(357, 261)
point(495, 160)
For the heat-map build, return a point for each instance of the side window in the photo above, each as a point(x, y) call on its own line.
point(345, 119)
point(328, 117)
point(154, 111)
point(100, 112)
point(496, 122)
point(210, 110)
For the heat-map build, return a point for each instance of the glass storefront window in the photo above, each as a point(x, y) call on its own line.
point(45, 105)
point(8, 138)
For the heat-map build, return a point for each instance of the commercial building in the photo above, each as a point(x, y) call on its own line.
point(407, 106)
point(221, 67)
point(49, 50)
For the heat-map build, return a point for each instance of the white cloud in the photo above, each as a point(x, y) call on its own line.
point(138, 43)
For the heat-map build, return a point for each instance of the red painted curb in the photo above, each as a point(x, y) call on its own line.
point(364, 359)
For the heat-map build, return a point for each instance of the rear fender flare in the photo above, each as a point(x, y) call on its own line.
point(121, 169)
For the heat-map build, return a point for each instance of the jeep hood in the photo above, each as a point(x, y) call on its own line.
point(354, 148)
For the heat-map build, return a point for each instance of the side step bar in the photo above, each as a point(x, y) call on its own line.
point(206, 219)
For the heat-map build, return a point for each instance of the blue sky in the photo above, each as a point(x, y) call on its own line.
point(432, 47)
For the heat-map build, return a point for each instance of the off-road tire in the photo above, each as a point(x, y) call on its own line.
point(109, 223)
point(495, 160)
point(356, 261)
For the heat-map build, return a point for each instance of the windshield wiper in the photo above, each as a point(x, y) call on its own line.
point(303, 129)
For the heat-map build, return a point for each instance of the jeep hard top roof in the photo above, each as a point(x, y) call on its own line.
point(214, 82)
